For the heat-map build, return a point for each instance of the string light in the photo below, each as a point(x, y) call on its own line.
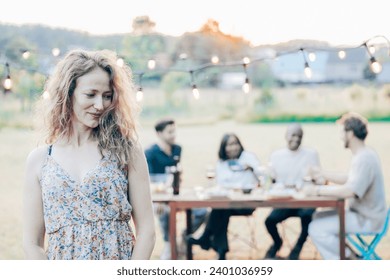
point(375, 66)
point(372, 49)
point(342, 54)
point(45, 95)
point(307, 69)
point(246, 87)
point(7, 82)
point(120, 62)
point(246, 60)
point(55, 52)
point(139, 95)
point(183, 56)
point(25, 53)
point(195, 92)
point(312, 56)
point(151, 64)
point(214, 59)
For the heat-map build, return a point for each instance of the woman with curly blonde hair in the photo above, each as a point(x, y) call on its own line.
point(90, 179)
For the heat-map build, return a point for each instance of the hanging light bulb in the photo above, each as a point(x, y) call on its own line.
point(342, 54)
point(375, 66)
point(195, 92)
point(246, 87)
point(55, 52)
point(372, 49)
point(308, 72)
point(246, 60)
point(312, 56)
point(183, 56)
point(7, 83)
point(26, 54)
point(151, 64)
point(45, 95)
point(120, 62)
point(139, 95)
point(214, 59)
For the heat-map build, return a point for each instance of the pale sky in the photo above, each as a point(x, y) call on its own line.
point(261, 22)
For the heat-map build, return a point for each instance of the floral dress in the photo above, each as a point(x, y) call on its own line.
point(87, 220)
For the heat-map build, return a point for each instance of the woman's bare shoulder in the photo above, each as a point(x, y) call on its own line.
point(36, 157)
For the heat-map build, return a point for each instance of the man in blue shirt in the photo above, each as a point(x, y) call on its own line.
point(165, 153)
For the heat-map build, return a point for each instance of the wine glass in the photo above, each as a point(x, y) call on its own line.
point(210, 174)
point(158, 182)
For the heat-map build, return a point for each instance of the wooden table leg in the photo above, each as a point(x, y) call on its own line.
point(188, 232)
point(341, 212)
point(172, 229)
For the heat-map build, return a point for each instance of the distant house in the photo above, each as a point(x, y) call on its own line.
point(231, 80)
point(384, 76)
point(349, 69)
point(326, 67)
point(290, 68)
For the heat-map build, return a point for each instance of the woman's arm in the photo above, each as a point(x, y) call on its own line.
point(33, 222)
point(141, 201)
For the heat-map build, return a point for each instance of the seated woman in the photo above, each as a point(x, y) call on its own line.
point(235, 169)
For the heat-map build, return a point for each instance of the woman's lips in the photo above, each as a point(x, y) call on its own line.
point(95, 115)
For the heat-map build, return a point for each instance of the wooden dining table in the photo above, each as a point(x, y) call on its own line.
point(189, 200)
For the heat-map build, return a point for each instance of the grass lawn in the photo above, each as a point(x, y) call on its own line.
point(200, 145)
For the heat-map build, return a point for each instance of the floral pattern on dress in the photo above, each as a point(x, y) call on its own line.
point(87, 220)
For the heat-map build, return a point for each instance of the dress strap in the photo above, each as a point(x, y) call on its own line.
point(49, 150)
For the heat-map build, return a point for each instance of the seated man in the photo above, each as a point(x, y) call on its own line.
point(289, 166)
point(165, 153)
point(363, 188)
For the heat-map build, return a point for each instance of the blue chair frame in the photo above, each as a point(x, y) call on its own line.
point(367, 249)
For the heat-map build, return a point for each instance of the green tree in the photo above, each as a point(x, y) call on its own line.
point(138, 49)
point(170, 83)
point(14, 49)
point(28, 86)
point(143, 25)
point(261, 75)
point(210, 40)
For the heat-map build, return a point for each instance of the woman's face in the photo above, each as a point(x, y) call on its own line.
point(232, 148)
point(91, 97)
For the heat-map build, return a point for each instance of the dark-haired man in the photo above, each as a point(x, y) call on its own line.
point(166, 153)
point(363, 187)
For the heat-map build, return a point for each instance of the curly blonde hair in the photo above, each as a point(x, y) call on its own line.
point(116, 131)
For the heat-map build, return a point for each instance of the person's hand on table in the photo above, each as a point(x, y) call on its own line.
point(309, 190)
point(317, 175)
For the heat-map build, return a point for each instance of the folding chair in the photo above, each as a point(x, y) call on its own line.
point(365, 248)
point(251, 228)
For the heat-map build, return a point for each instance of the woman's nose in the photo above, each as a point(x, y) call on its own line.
point(98, 105)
